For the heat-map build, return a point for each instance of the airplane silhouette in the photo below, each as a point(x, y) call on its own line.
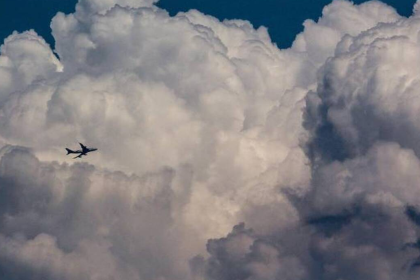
point(83, 152)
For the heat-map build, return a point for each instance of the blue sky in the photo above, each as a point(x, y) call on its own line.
point(282, 17)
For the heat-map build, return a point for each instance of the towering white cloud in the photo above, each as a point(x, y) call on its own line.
point(319, 40)
point(202, 125)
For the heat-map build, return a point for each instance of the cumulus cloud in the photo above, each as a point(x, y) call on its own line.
point(245, 255)
point(319, 39)
point(25, 60)
point(310, 154)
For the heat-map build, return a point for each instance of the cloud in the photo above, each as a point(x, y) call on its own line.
point(25, 60)
point(319, 40)
point(376, 101)
point(202, 125)
point(356, 222)
point(359, 218)
point(78, 222)
point(243, 255)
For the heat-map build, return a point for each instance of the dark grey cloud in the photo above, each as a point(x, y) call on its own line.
point(245, 255)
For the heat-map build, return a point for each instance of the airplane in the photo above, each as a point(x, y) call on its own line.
point(83, 152)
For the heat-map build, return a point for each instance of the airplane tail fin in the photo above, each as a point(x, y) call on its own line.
point(69, 151)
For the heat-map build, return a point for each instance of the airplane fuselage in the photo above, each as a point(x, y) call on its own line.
point(83, 152)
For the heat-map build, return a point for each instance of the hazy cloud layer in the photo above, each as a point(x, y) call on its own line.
point(310, 154)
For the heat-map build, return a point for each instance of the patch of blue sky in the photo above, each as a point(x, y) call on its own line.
point(283, 18)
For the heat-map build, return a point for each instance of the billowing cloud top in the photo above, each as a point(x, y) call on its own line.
point(220, 156)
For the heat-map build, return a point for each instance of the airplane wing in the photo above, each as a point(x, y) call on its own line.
point(79, 156)
point(84, 148)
